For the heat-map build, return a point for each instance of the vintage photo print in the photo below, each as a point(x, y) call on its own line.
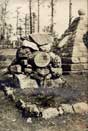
point(43, 65)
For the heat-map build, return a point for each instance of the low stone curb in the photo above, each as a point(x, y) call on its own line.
point(31, 110)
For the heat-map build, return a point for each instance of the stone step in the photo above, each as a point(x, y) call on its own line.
point(75, 72)
point(79, 66)
point(67, 68)
point(74, 60)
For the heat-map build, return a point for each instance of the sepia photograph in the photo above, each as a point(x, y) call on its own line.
point(43, 65)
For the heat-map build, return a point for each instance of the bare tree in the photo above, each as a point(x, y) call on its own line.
point(70, 12)
point(3, 16)
point(33, 21)
point(38, 16)
point(17, 19)
point(25, 25)
point(52, 15)
point(52, 4)
point(30, 15)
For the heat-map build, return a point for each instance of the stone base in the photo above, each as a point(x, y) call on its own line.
point(22, 81)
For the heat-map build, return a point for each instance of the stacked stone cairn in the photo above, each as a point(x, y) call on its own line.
point(35, 66)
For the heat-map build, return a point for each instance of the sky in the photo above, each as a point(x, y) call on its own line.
point(61, 12)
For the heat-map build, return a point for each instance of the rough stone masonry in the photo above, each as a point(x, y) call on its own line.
point(35, 65)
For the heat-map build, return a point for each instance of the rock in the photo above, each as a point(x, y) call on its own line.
point(24, 81)
point(56, 71)
point(30, 45)
point(29, 66)
point(46, 47)
point(29, 120)
point(67, 108)
point(56, 61)
point(41, 39)
point(12, 97)
point(20, 54)
point(10, 93)
point(27, 70)
point(48, 77)
point(36, 76)
point(4, 71)
point(50, 113)
point(8, 90)
point(80, 107)
point(43, 71)
point(60, 110)
point(32, 110)
point(20, 104)
point(52, 55)
point(23, 53)
point(15, 69)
